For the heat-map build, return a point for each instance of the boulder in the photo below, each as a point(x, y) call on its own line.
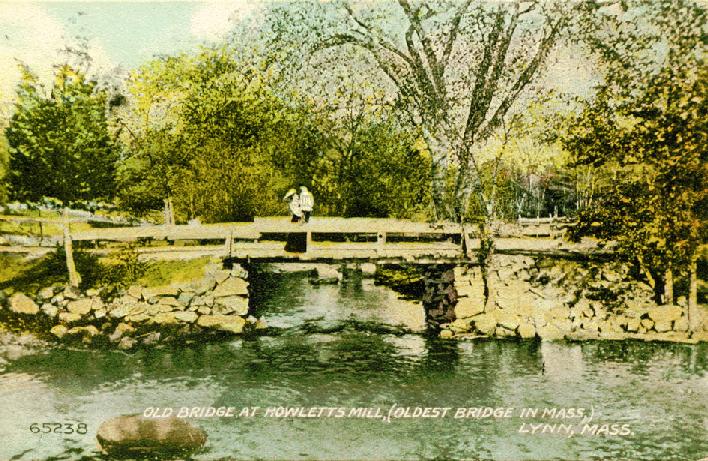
point(57, 299)
point(485, 324)
point(238, 271)
point(202, 301)
point(80, 306)
point(20, 303)
point(187, 317)
point(681, 324)
point(59, 331)
point(550, 333)
point(460, 272)
point(135, 291)
point(165, 318)
point(446, 334)
point(170, 301)
point(632, 324)
point(232, 304)
point(469, 307)
point(508, 320)
point(71, 293)
point(138, 309)
point(232, 286)
point(69, 317)
point(97, 303)
point(203, 285)
point(160, 292)
point(151, 338)
point(592, 326)
point(154, 309)
point(50, 309)
point(662, 326)
point(46, 293)
point(648, 324)
point(232, 323)
point(526, 330)
point(87, 331)
point(460, 326)
point(137, 318)
point(137, 436)
point(559, 312)
point(665, 313)
point(221, 275)
point(119, 312)
point(93, 292)
point(121, 330)
point(126, 343)
point(185, 297)
point(611, 275)
point(501, 332)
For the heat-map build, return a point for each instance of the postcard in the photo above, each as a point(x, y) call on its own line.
point(353, 230)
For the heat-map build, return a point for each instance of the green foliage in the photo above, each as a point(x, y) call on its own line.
point(59, 142)
point(123, 270)
point(646, 129)
point(229, 145)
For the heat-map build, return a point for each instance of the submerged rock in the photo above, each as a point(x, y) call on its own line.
point(325, 275)
point(135, 435)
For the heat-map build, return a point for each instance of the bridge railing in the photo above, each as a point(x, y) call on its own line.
point(322, 238)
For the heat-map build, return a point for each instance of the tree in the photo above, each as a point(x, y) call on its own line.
point(647, 128)
point(457, 69)
point(59, 141)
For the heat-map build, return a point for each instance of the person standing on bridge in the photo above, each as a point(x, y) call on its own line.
point(307, 202)
point(293, 200)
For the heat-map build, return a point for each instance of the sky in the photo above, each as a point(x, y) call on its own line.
point(123, 34)
point(120, 34)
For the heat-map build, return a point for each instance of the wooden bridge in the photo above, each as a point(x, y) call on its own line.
point(326, 239)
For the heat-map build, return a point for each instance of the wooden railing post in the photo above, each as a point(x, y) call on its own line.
point(466, 242)
point(381, 238)
point(229, 243)
point(74, 276)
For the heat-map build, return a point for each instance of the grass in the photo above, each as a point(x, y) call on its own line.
point(12, 266)
point(160, 273)
point(29, 275)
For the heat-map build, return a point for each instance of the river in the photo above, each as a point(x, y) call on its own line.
point(342, 347)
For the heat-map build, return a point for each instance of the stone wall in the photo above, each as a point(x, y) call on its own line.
point(440, 296)
point(217, 303)
point(554, 298)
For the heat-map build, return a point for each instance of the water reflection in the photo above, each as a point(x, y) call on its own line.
point(659, 389)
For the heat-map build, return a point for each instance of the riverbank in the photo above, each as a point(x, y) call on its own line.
point(559, 298)
point(211, 304)
point(186, 302)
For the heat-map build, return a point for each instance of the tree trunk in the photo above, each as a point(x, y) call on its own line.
point(74, 276)
point(486, 260)
point(169, 214)
point(669, 287)
point(694, 319)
